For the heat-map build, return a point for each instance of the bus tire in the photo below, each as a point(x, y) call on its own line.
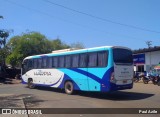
point(30, 83)
point(68, 87)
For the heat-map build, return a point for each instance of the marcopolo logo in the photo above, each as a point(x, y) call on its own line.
point(42, 73)
point(125, 71)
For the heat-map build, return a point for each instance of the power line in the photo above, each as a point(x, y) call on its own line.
point(51, 16)
point(103, 19)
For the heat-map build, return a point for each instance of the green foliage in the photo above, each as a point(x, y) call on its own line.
point(3, 53)
point(77, 45)
point(57, 44)
point(32, 43)
point(3, 36)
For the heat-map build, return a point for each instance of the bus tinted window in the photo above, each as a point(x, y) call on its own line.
point(44, 62)
point(35, 63)
point(49, 62)
point(83, 60)
point(75, 60)
point(61, 61)
point(67, 61)
point(92, 60)
point(39, 63)
point(102, 59)
point(55, 62)
point(122, 55)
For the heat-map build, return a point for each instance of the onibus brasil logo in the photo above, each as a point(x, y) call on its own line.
point(20, 111)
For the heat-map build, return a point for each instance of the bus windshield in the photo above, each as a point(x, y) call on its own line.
point(122, 56)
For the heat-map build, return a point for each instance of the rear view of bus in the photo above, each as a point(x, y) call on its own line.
point(122, 75)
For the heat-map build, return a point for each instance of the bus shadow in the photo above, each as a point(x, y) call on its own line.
point(56, 90)
point(116, 95)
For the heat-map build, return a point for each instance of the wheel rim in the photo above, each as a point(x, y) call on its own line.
point(69, 88)
point(31, 84)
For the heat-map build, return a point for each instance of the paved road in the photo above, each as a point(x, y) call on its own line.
point(141, 96)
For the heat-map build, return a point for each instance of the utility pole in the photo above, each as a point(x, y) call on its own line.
point(149, 43)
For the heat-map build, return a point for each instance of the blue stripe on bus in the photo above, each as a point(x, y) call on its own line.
point(23, 82)
point(94, 77)
point(105, 80)
point(67, 78)
point(108, 72)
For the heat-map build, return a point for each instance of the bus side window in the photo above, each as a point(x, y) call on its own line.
point(67, 61)
point(83, 60)
point(61, 62)
point(75, 60)
point(35, 63)
point(49, 62)
point(55, 62)
point(44, 62)
point(102, 59)
point(39, 61)
point(92, 59)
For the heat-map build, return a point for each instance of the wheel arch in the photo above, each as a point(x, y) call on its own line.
point(68, 80)
point(29, 79)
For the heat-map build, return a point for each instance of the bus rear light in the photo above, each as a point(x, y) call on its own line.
point(112, 77)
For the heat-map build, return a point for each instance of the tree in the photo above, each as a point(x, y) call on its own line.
point(3, 36)
point(77, 45)
point(3, 49)
point(57, 44)
point(31, 43)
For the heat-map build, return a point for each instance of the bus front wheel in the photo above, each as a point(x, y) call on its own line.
point(31, 84)
point(69, 87)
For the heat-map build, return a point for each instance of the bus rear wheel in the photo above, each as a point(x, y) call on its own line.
point(69, 88)
point(31, 84)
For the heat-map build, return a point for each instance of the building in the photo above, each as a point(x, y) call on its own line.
point(145, 59)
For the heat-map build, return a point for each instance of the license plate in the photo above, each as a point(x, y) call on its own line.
point(124, 81)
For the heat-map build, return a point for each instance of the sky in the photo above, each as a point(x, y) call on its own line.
point(94, 23)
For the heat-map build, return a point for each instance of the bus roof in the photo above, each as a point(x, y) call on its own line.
point(74, 50)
